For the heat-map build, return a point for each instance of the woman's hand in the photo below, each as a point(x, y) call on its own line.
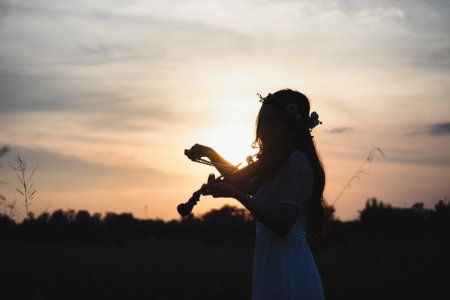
point(220, 189)
point(198, 151)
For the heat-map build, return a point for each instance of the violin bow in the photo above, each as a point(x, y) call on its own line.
point(210, 163)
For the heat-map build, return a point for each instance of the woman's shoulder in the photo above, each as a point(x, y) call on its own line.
point(297, 159)
point(297, 155)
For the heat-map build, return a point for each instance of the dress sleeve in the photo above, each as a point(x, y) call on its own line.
point(296, 181)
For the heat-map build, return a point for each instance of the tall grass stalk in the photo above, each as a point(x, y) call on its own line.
point(359, 171)
point(26, 188)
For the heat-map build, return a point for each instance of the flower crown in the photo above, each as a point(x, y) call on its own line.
point(292, 110)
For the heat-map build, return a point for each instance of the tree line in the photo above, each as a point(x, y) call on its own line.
point(229, 223)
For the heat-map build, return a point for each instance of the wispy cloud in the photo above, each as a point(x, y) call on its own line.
point(339, 130)
point(440, 129)
point(437, 129)
point(4, 150)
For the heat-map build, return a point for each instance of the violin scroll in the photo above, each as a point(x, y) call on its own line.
point(184, 209)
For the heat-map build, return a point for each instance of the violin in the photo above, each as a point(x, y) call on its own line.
point(241, 178)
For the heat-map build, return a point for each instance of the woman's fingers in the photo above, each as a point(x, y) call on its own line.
point(211, 178)
point(218, 190)
point(192, 153)
point(197, 151)
point(205, 190)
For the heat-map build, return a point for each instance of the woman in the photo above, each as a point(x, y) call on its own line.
point(288, 200)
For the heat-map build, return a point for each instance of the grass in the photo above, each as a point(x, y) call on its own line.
point(151, 270)
point(397, 269)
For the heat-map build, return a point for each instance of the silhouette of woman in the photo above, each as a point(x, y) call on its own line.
point(287, 203)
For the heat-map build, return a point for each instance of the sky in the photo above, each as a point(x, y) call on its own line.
point(104, 96)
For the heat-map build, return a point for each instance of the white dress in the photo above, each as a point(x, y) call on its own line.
point(284, 267)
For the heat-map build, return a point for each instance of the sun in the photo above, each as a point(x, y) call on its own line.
point(232, 140)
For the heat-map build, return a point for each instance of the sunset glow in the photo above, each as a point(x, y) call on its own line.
point(104, 97)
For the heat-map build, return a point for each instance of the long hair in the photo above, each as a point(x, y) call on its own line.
point(299, 122)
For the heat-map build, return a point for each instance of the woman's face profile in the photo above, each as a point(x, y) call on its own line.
point(272, 129)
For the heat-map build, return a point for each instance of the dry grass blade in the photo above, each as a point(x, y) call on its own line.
point(32, 173)
point(359, 171)
point(20, 192)
point(26, 185)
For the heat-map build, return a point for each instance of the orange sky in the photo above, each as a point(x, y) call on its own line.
point(106, 97)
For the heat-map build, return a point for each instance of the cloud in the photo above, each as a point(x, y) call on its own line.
point(4, 150)
point(62, 170)
point(381, 13)
point(4, 8)
point(339, 130)
point(440, 129)
point(98, 107)
point(89, 71)
point(93, 34)
point(117, 66)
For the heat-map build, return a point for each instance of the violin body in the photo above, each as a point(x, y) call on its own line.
point(239, 178)
point(243, 178)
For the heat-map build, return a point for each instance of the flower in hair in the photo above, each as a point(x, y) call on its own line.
point(261, 98)
point(314, 120)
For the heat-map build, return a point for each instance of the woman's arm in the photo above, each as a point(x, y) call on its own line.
point(291, 195)
point(198, 151)
point(278, 217)
point(214, 157)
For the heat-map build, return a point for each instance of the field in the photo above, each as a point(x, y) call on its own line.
point(168, 269)
point(388, 253)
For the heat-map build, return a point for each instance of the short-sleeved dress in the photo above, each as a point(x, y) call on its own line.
point(284, 267)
